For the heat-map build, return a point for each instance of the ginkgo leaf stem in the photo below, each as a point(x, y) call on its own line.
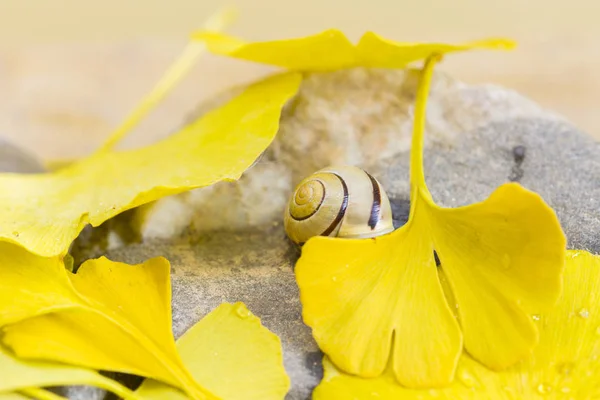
point(174, 74)
point(40, 394)
point(417, 174)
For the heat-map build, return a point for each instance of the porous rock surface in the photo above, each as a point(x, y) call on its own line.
point(226, 242)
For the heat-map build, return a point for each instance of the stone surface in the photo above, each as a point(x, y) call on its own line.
point(80, 392)
point(15, 159)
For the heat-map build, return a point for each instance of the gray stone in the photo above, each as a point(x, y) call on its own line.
point(80, 392)
point(14, 159)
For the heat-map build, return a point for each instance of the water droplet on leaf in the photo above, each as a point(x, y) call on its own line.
point(584, 313)
point(242, 311)
point(536, 317)
point(467, 379)
point(544, 388)
point(565, 368)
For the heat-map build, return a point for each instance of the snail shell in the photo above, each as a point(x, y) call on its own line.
point(342, 201)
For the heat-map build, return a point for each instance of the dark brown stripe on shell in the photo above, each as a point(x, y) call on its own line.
point(316, 209)
point(376, 207)
point(342, 211)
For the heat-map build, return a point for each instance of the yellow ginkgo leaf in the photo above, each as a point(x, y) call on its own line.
point(331, 50)
point(14, 396)
point(45, 212)
point(108, 316)
point(372, 300)
point(31, 285)
point(21, 376)
point(565, 364)
point(232, 354)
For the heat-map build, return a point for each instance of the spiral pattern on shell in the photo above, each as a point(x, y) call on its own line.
point(342, 201)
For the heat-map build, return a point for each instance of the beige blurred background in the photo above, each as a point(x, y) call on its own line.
point(557, 62)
